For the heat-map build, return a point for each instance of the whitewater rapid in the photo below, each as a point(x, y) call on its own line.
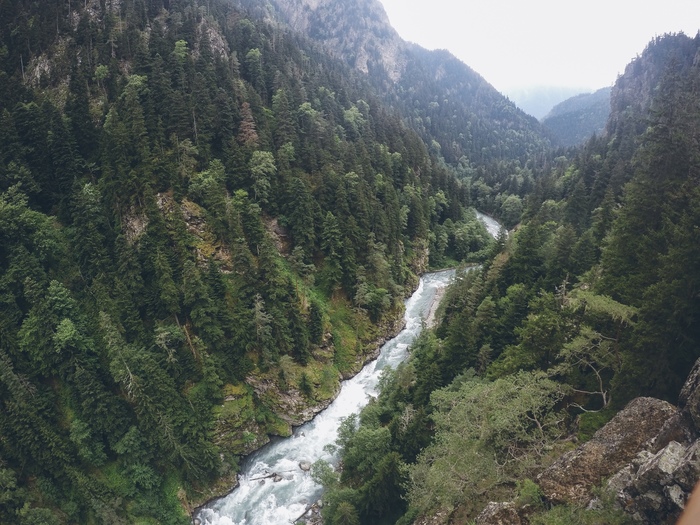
point(259, 500)
point(492, 225)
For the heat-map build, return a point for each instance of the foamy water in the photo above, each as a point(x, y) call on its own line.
point(262, 501)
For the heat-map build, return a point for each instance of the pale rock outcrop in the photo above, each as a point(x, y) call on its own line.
point(571, 478)
point(500, 514)
point(651, 495)
point(647, 458)
point(650, 453)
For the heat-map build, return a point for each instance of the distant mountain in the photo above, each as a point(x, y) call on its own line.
point(446, 102)
point(539, 100)
point(576, 119)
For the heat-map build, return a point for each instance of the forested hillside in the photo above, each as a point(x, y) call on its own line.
point(575, 120)
point(205, 221)
point(593, 300)
point(460, 115)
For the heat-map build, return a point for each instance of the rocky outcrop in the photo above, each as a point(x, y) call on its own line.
point(647, 458)
point(634, 91)
point(500, 514)
point(357, 31)
point(689, 398)
point(653, 494)
point(571, 478)
point(649, 453)
point(654, 487)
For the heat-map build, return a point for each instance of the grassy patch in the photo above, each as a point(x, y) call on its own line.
point(570, 515)
point(590, 422)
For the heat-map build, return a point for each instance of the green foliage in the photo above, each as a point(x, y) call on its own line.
point(176, 216)
point(570, 515)
point(487, 435)
point(529, 493)
point(590, 422)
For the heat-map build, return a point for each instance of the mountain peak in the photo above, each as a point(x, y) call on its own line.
point(357, 31)
point(445, 97)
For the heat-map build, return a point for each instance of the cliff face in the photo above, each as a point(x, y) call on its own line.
point(647, 458)
point(358, 32)
point(632, 94)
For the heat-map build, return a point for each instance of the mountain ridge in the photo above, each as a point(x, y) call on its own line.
point(575, 120)
point(419, 81)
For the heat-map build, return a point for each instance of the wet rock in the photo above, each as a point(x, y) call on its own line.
point(500, 514)
point(571, 478)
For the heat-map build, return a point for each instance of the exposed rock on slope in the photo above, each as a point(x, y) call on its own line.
point(363, 35)
point(449, 103)
point(649, 453)
point(632, 95)
point(571, 478)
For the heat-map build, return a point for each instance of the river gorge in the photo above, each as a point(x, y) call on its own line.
point(275, 485)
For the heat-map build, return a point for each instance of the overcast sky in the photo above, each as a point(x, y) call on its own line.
point(522, 43)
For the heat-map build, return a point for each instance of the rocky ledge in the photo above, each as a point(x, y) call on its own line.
point(647, 458)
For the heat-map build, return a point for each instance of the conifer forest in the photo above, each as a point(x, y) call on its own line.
point(207, 221)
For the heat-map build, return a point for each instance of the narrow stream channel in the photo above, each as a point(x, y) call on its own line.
point(492, 225)
point(265, 502)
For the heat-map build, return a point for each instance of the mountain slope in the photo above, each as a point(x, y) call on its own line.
point(539, 100)
point(578, 118)
point(205, 222)
point(592, 301)
point(442, 98)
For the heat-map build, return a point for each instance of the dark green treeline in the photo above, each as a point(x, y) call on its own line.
point(190, 199)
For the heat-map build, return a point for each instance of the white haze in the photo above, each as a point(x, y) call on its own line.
point(518, 44)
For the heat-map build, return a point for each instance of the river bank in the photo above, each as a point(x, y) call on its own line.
point(299, 410)
point(268, 496)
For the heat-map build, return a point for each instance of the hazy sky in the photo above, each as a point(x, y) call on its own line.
point(522, 43)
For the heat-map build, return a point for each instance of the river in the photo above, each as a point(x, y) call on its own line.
point(259, 500)
point(492, 225)
point(262, 501)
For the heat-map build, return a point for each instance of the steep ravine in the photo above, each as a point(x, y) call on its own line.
point(391, 348)
point(274, 486)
